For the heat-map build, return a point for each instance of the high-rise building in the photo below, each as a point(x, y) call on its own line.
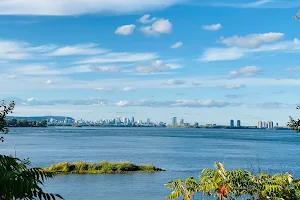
point(181, 122)
point(277, 125)
point(232, 123)
point(148, 121)
point(260, 124)
point(174, 121)
point(270, 125)
point(265, 125)
point(132, 120)
point(238, 123)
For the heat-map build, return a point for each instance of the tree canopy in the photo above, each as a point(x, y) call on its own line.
point(17, 181)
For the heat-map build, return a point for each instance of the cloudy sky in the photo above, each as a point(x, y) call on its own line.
point(204, 61)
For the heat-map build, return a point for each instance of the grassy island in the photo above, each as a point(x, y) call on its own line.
point(100, 168)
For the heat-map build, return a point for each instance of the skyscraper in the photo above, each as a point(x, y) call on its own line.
point(148, 121)
point(232, 123)
point(271, 125)
point(238, 123)
point(260, 124)
point(174, 121)
point(182, 122)
point(132, 120)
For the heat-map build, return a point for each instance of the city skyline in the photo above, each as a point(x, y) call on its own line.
point(152, 59)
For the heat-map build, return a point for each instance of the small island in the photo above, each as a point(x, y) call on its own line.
point(100, 168)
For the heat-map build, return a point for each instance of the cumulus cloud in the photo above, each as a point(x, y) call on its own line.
point(79, 7)
point(160, 26)
point(176, 45)
point(175, 82)
point(235, 86)
point(145, 19)
point(157, 66)
point(125, 29)
point(252, 40)
point(244, 71)
point(212, 27)
point(178, 103)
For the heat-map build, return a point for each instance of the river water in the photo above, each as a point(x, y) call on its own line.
point(182, 152)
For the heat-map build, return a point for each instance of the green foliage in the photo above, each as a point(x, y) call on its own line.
point(236, 184)
point(17, 181)
point(294, 124)
point(4, 111)
point(25, 123)
point(100, 168)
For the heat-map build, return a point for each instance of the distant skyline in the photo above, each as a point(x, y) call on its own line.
point(203, 61)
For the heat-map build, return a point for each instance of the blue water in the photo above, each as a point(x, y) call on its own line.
point(182, 152)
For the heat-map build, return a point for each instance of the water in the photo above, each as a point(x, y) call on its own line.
point(182, 152)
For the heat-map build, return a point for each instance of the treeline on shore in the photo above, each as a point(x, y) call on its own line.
point(25, 123)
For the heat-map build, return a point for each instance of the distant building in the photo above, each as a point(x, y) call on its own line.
point(174, 121)
point(260, 124)
point(232, 123)
point(265, 125)
point(181, 122)
point(132, 120)
point(277, 125)
point(196, 124)
point(148, 121)
point(238, 123)
point(270, 125)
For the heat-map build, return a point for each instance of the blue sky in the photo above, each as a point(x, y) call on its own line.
point(204, 61)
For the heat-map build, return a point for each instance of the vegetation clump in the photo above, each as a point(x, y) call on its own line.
point(100, 168)
point(236, 184)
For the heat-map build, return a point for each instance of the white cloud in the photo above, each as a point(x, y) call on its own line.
point(11, 76)
point(125, 29)
point(294, 69)
point(49, 82)
point(128, 89)
point(234, 53)
point(252, 40)
point(85, 101)
point(178, 103)
point(122, 103)
point(79, 7)
point(105, 69)
point(245, 71)
point(160, 26)
point(235, 86)
point(145, 19)
point(101, 89)
point(81, 49)
point(217, 54)
point(156, 67)
point(121, 57)
point(36, 69)
point(175, 82)
point(176, 45)
point(212, 27)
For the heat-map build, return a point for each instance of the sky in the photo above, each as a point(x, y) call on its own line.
point(203, 61)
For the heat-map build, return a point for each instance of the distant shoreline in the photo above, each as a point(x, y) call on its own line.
point(168, 127)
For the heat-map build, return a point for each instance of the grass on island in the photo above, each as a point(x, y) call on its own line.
point(100, 168)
